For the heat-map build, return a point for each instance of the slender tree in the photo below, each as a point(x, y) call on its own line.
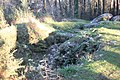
point(66, 8)
point(44, 6)
point(99, 7)
point(103, 10)
point(81, 8)
point(55, 11)
point(61, 11)
point(76, 8)
point(90, 9)
point(114, 7)
point(70, 8)
point(117, 7)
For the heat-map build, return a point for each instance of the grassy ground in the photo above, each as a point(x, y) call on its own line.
point(107, 67)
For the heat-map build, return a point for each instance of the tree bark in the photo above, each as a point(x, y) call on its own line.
point(61, 11)
point(117, 8)
point(99, 7)
point(70, 8)
point(103, 10)
point(76, 8)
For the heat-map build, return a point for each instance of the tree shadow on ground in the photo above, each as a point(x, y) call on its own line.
point(37, 51)
point(25, 49)
point(22, 41)
point(111, 57)
point(81, 73)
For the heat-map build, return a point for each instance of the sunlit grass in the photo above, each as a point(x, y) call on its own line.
point(108, 65)
point(40, 28)
point(68, 25)
point(8, 63)
point(110, 24)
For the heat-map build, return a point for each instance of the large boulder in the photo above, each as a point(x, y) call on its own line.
point(116, 18)
point(103, 17)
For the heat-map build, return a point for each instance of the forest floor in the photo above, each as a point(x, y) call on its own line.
point(107, 67)
point(32, 49)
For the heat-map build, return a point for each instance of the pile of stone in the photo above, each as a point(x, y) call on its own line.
point(72, 50)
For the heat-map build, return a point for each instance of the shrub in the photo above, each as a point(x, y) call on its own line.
point(8, 63)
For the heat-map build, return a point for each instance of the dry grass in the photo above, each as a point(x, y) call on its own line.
point(8, 63)
point(23, 16)
point(40, 29)
point(8, 35)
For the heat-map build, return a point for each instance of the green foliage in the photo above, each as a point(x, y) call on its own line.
point(68, 25)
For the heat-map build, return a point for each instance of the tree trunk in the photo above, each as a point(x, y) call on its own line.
point(76, 8)
point(44, 6)
point(90, 9)
point(61, 11)
point(99, 7)
point(70, 8)
point(55, 9)
point(66, 8)
point(114, 7)
point(103, 10)
point(84, 8)
point(117, 9)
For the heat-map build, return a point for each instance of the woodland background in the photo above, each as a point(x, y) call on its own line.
point(58, 40)
point(84, 9)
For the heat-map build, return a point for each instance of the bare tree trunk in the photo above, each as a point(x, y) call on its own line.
point(90, 9)
point(117, 5)
point(84, 8)
point(99, 7)
point(61, 11)
point(44, 6)
point(55, 9)
point(76, 8)
point(70, 8)
point(103, 10)
point(66, 8)
point(114, 7)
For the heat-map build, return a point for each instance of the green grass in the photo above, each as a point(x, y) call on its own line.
point(110, 24)
point(106, 67)
point(68, 25)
